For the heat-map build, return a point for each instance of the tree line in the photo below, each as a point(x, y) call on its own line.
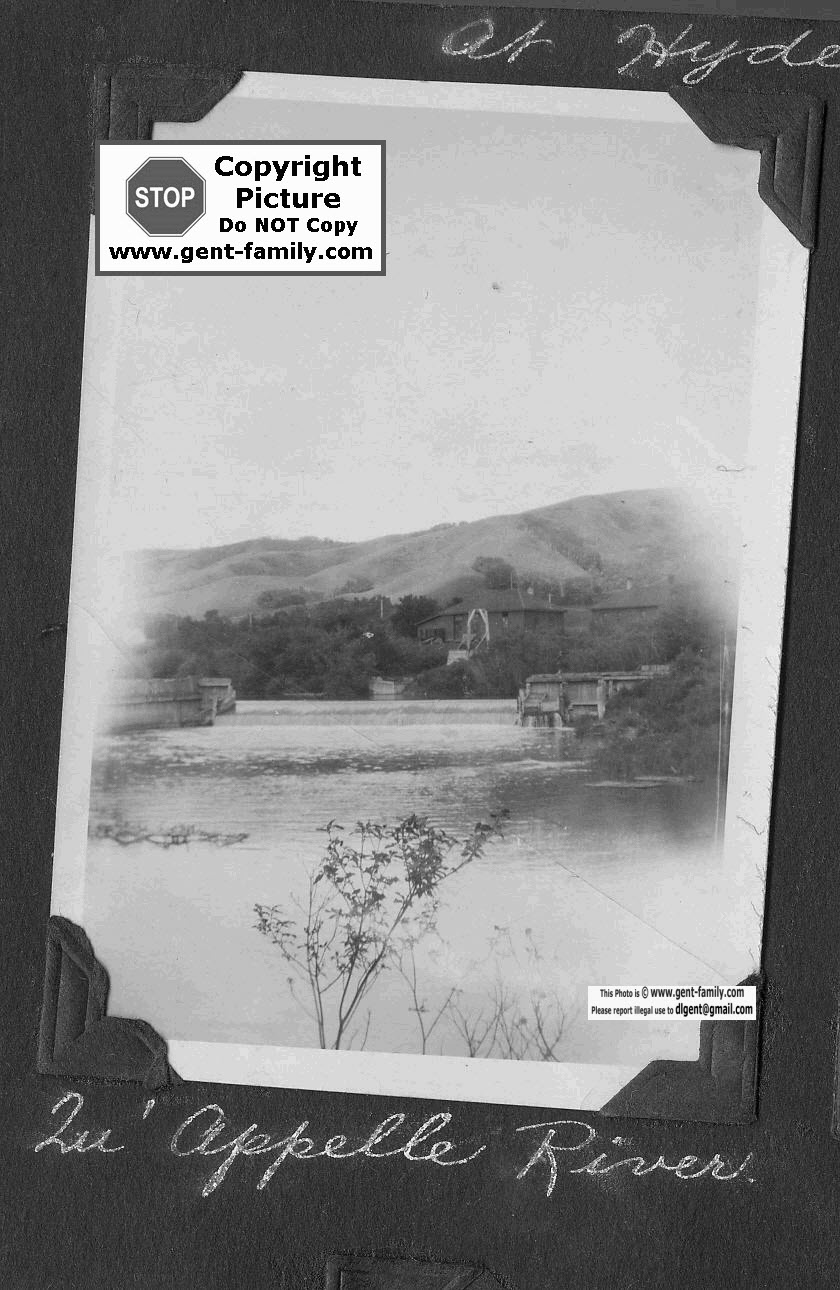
point(331, 649)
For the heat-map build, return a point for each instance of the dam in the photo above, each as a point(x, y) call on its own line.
point(153, 703)
point(379, 712)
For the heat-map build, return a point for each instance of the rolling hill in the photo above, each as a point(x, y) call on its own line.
point(647, 535)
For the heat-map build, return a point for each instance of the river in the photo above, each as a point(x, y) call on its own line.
point(589, 884)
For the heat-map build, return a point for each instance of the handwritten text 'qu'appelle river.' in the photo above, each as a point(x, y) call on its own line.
point(543, 1150)
point(696, 59)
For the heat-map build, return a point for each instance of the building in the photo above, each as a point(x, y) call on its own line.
point(380, 687)
point(632, 606)
point(487, 616)
point(558, 698)
point(155, 702)
point(217, 693)
point(542, 701)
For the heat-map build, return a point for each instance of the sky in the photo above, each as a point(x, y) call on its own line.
point(569, 308)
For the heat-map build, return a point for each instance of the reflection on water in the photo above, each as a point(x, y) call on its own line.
point(589, 885)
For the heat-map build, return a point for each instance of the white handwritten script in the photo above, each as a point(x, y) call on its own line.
point(696, 59)
point(543, 1150)
point(704, 59)
point(470, 40)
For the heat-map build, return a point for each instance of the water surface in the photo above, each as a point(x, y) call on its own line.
point(589, 885)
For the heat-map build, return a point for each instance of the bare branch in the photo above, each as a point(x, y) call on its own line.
point(373, 890)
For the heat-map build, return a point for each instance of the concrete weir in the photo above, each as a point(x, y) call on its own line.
point(161, 702)
point(381, 712)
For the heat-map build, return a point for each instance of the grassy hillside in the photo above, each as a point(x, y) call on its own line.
point(647, 535)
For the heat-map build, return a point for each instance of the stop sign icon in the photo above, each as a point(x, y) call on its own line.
point(165, 196)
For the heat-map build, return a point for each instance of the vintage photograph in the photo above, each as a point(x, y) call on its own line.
point(425, 630)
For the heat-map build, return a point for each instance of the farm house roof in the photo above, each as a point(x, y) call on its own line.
point(635, 598)
point(498, 602)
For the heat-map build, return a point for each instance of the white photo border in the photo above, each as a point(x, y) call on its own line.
point(763, 492)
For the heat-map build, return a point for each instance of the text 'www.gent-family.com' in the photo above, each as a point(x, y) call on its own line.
point(306, 207)
point(675, 1002)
